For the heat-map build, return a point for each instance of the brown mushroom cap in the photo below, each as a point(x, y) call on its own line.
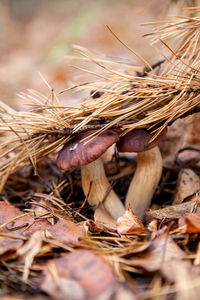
point(137, 140)
point(78, 152)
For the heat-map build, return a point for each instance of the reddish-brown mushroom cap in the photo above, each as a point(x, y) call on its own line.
point(79, 152)
point(138, 140)
point(86, 153)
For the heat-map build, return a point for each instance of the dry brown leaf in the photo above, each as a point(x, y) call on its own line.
point(173, 142)
point(153, 226)
point(93, 227)
point(8, 212)
point(125, 292)
point(186, 281)
point(187, 185)
point(161, 255)
point(65, 231)
point(129, 223)
point(23, 224)
point(79, 275)
point(16, 229)
point(172, 211)
point(8, 247)
point(189, 223)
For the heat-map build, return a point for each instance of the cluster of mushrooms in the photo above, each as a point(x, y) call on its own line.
point(86, 152)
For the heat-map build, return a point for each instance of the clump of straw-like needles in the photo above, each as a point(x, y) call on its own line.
point(126, 100)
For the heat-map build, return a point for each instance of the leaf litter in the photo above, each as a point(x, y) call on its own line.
point(51, 239)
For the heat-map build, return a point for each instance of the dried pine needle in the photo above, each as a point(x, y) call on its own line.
point(125, 101)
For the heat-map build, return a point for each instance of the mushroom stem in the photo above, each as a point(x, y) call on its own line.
point(145, 181)
point(94, 173)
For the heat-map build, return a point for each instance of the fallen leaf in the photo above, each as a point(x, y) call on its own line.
point(79, 275)
point(153, 226)
point(189, 223)
point(93, 227)
point(13, 220)
point(161, 255)
point(188, 155)
point(65, 231)
point(125, 292)
point(9, 246)
point(188, 184)
point(172, 211)
point(8, 212)
point(186, 281)
point(129, 223)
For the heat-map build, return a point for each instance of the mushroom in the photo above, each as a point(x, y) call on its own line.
point(148, 171)
point(86, 153)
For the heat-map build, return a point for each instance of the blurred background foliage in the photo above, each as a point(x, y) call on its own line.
point(36, 36)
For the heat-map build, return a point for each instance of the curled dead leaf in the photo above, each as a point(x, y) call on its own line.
point(129, 223)
point(189, 223)
point(93, 227)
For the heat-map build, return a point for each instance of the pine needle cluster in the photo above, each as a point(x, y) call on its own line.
point(130, 99)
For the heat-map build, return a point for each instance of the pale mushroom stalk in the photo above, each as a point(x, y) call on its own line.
point(145, 181)
point(97, 188)
point(95, 184)
point(148, 171)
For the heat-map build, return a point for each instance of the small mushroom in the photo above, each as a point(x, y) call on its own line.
point(86, 153)
point(148, 171)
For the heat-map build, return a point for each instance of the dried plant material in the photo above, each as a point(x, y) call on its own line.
point(16, 225)
point(126, 102)
point(182, 36)
point(197, 256)
point(65, 231)
point(186, 281)
point(173, 142)
point(172, 211)
point(189, 223)
point(153, 226)
point(161, 255)
point(14, 221)
point(125, 292)
point(93, 227)
point(8, 247)
point(123, 98)
point(129, 223)
point(29, 251)
point(192, 134)
point(188, 156)
point(8, 212)
point(78, 275)
point(187, 185)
